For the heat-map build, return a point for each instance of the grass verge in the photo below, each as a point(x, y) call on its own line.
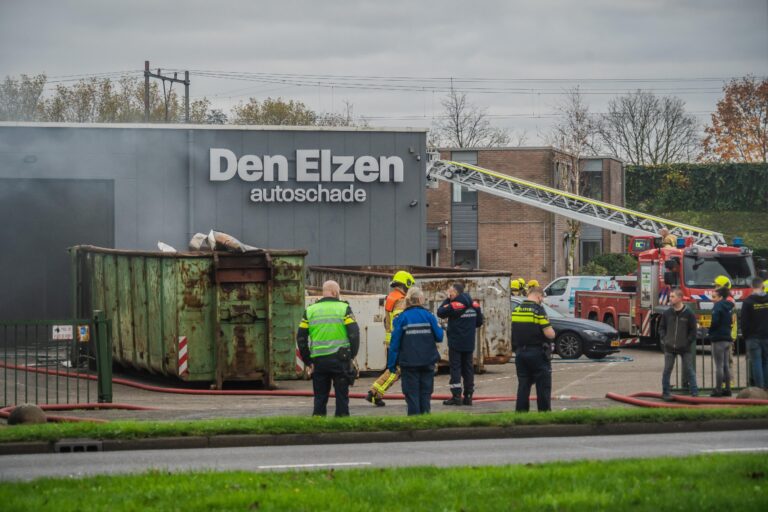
point(647, 484)
point(309, 425)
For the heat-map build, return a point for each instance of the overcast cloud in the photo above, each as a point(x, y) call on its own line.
point(546, 39)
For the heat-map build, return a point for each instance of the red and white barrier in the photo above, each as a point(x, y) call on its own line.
point(183, 357)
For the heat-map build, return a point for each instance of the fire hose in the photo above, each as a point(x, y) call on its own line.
point(250, 392)
point(683, 402)
point(5, 412)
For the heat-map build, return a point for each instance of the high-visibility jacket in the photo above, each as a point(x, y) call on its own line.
point(393, 306)
point(528, 323)
point(327, 322)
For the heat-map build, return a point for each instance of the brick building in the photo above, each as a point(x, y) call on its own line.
point(478, 230)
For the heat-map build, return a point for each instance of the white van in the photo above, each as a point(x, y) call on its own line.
point(561, 292)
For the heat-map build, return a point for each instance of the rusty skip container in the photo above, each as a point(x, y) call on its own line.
point(490, 288)
point(211, 317)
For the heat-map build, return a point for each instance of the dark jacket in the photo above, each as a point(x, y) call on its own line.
point(677, 330)
point(414, 334)
point(464, 317)
point(722, 321)
point(754, 316)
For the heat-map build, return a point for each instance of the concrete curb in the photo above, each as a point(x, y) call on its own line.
point(445, 434)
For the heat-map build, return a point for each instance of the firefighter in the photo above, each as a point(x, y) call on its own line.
point(532, 332)
point(722, 281)
point(328, 341)
point(516, 289)
point(532, 283)
point(393, 306)
point(667, 238)
point(464, 317)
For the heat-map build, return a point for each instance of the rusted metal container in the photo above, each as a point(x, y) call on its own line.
point(490, 288)
point(212, 317)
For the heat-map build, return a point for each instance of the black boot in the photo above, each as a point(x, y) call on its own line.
point(454, 400)
point(467, 399)
point(374, 399)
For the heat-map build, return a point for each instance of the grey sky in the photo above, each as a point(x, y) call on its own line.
point(546, 39)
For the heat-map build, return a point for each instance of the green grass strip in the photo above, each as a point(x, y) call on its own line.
point(309, 425)
point(712, 482)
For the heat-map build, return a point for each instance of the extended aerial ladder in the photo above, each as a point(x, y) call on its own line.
point(572, 206)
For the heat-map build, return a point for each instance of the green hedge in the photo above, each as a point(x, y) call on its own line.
point(699, 187)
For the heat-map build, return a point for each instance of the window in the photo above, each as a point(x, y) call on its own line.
point(465, 259)
point(593, 185)
point(557, 288)
point(701, 272)
point(433, 258)
point(464, 195)
point(590, 249)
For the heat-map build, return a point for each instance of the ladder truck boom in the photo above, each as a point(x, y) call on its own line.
point(572, 206)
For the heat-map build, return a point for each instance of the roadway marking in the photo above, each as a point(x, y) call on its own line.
point(727, 450)
point(579, 381)
point(321, 465)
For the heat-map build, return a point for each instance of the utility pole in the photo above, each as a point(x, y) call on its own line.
point(174, 79)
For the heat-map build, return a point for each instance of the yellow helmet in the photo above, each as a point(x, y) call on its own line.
point(765, 286)
point(533, 283)
point(722, 282)
point(514, 284)
point(404, 278)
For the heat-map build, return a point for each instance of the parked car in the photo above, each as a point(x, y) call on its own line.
point(560, 294)
point(577, 336)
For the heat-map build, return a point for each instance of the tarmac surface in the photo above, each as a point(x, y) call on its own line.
point(367, 455)
point(577, 384)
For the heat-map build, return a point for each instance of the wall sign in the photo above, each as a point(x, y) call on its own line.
point(313, 166)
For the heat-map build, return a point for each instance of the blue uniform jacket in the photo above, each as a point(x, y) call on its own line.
point(414, 335)
point(720, 328)
point(464, 317)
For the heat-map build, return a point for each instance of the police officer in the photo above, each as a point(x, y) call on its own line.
point(531, 335)
point(413, 350)
point(464, 317)
point(328, 340)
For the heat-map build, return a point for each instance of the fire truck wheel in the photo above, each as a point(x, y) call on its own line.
point(568, 345)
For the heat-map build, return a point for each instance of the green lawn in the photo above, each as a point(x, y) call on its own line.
point(302, 425)
point(721, 482)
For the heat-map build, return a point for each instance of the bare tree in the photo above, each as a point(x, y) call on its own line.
point(464, 125)
point(344, 118)
point(642, 129)
point(575, 133)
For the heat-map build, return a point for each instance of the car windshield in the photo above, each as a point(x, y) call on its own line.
point(700, 272)
point(551, 313)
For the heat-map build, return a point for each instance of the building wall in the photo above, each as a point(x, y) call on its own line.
point(148, 169)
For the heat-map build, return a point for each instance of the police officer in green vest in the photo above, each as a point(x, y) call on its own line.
point(328, 341)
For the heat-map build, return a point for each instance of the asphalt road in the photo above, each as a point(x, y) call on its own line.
point(437, 453)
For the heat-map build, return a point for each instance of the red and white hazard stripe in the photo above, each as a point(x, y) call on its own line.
point(299, 362)
point(646, 327)
point(626, 342)
point(183, 357)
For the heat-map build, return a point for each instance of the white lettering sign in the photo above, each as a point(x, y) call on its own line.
point(318, 166)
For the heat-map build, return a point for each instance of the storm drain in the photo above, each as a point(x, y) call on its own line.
point(77, 446)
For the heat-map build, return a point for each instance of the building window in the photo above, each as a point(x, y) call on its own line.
point(590, 249)
point(593, 185)
point(433, 258)
point(464, 195)
point(465, 259)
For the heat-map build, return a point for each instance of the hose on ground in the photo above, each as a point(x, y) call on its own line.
point(682, 402)
point(5, 412)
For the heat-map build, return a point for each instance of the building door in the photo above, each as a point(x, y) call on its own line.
point(464, 217)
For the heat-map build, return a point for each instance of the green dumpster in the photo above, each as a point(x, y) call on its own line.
point(211, 317)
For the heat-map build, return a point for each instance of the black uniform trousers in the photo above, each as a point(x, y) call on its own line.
point(418, 384)
point(533, 367)
point(330, 371)
point(462, 367)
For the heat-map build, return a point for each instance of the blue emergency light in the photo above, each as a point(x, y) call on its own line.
point(738, 241)
point(680, 242)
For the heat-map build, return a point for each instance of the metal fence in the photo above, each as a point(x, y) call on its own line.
point(704, 365)
point(56, 361)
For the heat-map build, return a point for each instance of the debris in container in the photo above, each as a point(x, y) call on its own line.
point(224, 242)
point(165, 247)
point(199, 242)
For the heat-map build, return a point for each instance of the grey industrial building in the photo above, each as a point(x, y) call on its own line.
point(349, 196)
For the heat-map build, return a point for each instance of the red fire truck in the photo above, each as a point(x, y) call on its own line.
point(636, 309)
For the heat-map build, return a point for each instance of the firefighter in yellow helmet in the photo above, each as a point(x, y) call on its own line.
point(532, 283)
point(516, 289)
point(393, 306)
point(724, 282)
